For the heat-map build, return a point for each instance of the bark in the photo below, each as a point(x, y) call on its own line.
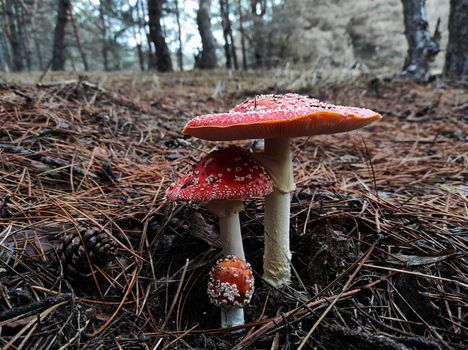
point(34, 34)
point(23, 35)
point(207, 58)
point(260, 40)
point(137, 35)
point(456, 59)
point(12, 32)
point(104, 42)
point(163, 56)
point(78, 41)
point(422, 46)
point(58, 51)
point(141, 13)
point(242, 33)
point(180, 58)
point(5, 57)
point(229, 48)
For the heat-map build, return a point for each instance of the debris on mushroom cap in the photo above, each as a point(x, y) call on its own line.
point(271, 116)
point(229, 173)
point(231, 282)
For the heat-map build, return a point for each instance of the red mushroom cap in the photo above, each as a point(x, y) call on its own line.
point(229, 173)
point(231, 282)
point(271, 116)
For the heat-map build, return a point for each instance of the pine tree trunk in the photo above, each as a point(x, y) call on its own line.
point(141, 13)
point(229, 47)
point(13, 35)
point(422, 46)
point(163, 55)
point(456, 59)
point(58, 52)
point(5, 57)
point(23, 35)
point(104, 43)
point(180, 57)
point(242, 33)
point(259, 42)
point(207, 58)
point(34, 34)
point(78, 41)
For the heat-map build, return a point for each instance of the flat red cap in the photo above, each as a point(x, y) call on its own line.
point(231, 282)
point(272, 116)
point(229, 173)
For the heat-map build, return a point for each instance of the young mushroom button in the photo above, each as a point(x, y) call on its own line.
point(231, 283)
point(277, 118)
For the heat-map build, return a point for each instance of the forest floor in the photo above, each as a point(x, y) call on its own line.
point(378, 221)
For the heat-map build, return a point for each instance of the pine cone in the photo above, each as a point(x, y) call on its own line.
point(77, 250)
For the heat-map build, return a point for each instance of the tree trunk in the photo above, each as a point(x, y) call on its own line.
point(422, 46)
point(78, 41)
point(58, 51)
point(229, 47)
point(242, 33)
point(11, 29)
point(456, 58)
point(180, 57)
point(104, 42)
point(163, 55)
point(5, 57)
point(34, 34)
point(23, 35)
point(207, 58)
point(259, 41)
point(141, 13)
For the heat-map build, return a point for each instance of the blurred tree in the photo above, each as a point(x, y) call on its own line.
point(206, 59)
point(12, 26)
point(58, 52)
point(163, 56)
point(456, 58)
point(260, 38)
point(180, 56)
point(105, 6)
point(229, 47)
point(78, 40)
point(242, 34)
point(422, 46)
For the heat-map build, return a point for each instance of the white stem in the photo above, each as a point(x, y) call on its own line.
point(231, 240)
point(230, 235)
point(277, 255)
point(232, 317)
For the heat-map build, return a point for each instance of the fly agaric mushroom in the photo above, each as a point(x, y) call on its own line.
point(222, 180)
point(277, 118)
point(230, 287)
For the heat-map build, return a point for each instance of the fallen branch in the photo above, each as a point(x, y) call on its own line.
point(34, 306)
point(46, 159)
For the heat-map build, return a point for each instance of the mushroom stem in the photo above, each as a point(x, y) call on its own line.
point(230, 235)
point(277, 255)
point(231, 317)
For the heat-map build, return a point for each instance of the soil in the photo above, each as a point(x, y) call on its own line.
point(378, 221)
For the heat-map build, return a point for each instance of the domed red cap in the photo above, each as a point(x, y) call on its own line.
point(231, 282)
point(271, 116)
point(229, 173)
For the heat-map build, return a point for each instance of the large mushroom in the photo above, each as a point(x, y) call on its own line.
point(277, 118)
point(222, 180)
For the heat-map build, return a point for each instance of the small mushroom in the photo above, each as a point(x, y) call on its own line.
point(230, 287)
point(277, 118)
point(222, 180)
